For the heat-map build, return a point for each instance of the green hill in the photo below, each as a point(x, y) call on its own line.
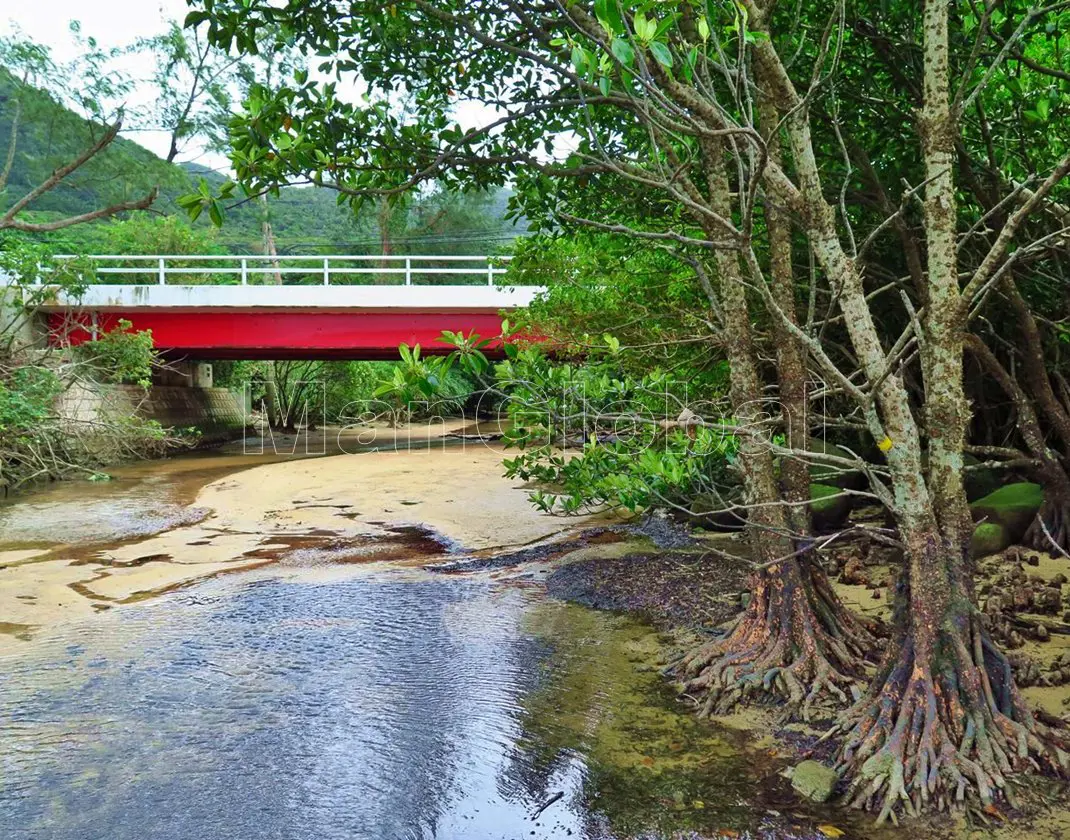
point(304, 220)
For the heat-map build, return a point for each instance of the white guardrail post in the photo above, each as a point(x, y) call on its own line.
point(163, 272)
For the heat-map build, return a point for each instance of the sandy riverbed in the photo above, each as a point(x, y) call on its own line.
point(455, 489)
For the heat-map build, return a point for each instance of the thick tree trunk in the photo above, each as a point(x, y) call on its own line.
point(796, 641)
point(943, 716)
point(791, 360)
point(943, 723)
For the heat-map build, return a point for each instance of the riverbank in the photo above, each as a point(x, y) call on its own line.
point(693, 595)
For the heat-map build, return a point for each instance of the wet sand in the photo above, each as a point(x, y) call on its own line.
point(419, 488)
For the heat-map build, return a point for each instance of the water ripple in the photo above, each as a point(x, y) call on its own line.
point(372, 708)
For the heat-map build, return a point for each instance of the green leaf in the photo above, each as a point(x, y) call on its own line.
point(662, 53)
point(608, 14)
point(1043, 106)
point(215, 213)
point(623, 51)
point(644, 27)
point(579, 60)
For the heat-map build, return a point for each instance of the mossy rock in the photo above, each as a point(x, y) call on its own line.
point(829, 507)
point(988, 538)
point(814, 780)
point(705, 513)
point(1013, 506)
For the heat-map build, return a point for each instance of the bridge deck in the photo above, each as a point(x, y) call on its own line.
point(419, 298)
point(340, 307)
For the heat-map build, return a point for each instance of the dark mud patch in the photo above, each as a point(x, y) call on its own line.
point(692, 589)
point(320, 547)
point(663, 531)
point(542, 552)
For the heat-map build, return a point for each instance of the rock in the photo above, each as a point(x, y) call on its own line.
point(829, 507)
point(988, 538)
point(814, 780)
point(1047, 599)
point(834, 475)
point(1041, 633)
point(1066, 616)
point(979, 483)
point(1012, 506)
point(1058, 580)
point(853, 573)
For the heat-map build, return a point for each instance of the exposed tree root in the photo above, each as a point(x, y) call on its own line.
point(1050, 531)
point(943, 725)
point(795, 642)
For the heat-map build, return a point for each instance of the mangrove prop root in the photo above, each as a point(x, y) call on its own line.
point(942, 726)
point(1050, 530)
point(795, 642)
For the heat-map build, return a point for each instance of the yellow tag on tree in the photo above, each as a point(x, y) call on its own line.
point(885, 444)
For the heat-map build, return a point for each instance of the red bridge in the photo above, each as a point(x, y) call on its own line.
point(256, 307)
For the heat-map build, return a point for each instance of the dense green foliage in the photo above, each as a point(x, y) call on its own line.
point(121, 355)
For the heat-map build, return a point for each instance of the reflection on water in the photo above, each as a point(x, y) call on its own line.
point(379, 705)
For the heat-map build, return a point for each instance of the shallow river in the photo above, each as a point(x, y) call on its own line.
point(307, 697)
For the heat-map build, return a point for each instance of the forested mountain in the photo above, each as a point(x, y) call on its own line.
point(304, 220)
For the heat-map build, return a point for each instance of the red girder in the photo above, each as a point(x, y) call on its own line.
point(281, 334)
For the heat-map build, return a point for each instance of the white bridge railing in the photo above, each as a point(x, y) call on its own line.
point(260, 269)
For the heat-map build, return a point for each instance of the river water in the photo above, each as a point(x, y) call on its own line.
point(301, 696)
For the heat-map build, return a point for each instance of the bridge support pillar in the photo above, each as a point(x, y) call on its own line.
point(202, 375)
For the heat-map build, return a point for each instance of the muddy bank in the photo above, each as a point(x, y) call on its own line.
point(679, 588)
point(693, 594)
